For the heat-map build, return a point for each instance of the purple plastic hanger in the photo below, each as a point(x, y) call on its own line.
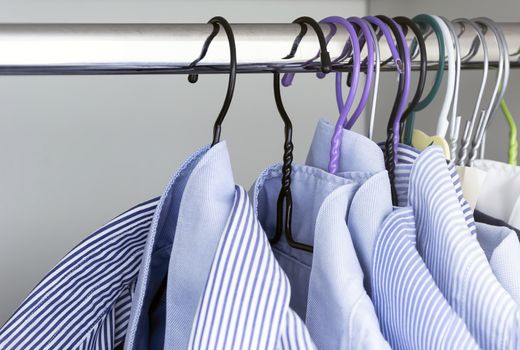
point(343, 112)
point(389, 39)
point(367, 37)
point(399, 65)
point(352, 45)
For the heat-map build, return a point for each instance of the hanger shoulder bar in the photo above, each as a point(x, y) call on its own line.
point(50, 49)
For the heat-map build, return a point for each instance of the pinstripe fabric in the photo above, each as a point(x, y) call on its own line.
point(84, 302)
point(406, 156)
point(245, 304)
point(202, 216)
point(411, 308)
point(454, 257)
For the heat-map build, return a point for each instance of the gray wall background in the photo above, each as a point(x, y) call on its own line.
point(77, 151)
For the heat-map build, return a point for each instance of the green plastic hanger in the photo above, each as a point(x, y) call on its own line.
point(424, 21)
point(513, 141)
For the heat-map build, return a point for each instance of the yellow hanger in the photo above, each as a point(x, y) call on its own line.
point(421, 140)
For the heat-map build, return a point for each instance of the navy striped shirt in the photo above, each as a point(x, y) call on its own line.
point(85, 301)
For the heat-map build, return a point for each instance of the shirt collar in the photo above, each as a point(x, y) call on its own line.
point(372, 201)
point(358, 153)
point(194, 209)
point(320, 201)
point(206, 206)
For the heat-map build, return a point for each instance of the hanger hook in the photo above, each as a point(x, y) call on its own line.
point(344, 109)
point(375, 89)
point(406, 22)
point(304, 21)
point(284, 217)
point(192, 78)
point(454, 121)
point(426, 21)
point(400, 101)
point(370, 64)
point(395, 56)
point(500, 85)
point(326, 63)
point(478, 42)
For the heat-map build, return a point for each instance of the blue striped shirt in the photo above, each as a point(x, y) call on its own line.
point(406, 156)
point(411, 309)
point(84, 302)
point(413, 312)
point(454, 257)
point(245, 304)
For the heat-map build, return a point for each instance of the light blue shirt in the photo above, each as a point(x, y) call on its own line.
point(203, 212)
point(453, 255)
point(327, 284)
point(411, 309)
point(146, 329)
point(359, 156)
point(225, 290)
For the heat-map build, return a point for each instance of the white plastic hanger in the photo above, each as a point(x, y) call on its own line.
point(455, 117)
point(486, 24)
point(470, 124)
point(504, 52)
point(443, 121)
point(375, 89)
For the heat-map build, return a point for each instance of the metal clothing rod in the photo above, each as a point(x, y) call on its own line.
point(33, 49)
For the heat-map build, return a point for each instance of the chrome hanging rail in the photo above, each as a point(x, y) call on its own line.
point(50, 49)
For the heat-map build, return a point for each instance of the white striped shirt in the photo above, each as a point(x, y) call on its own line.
point(245, 304)
point(454, 257)
point(84, 302)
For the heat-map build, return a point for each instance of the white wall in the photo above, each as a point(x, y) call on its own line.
point(498, 10)
point(76, 151)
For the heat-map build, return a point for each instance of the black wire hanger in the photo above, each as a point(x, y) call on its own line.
point(389, 144)
point(192, 78)
point(407, 22)
point(285, 196)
